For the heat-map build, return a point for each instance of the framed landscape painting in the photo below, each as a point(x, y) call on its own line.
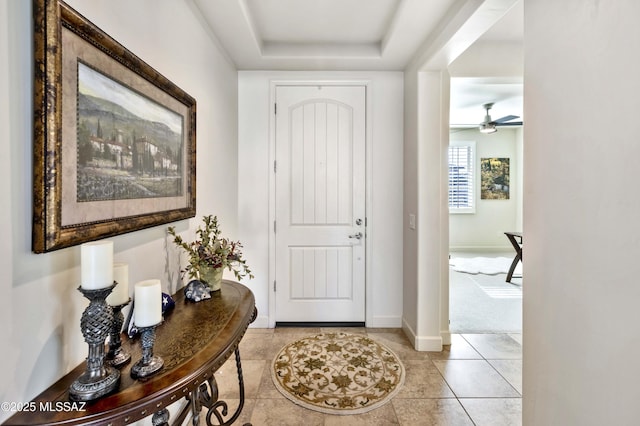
point(494, 178)
point(114, 140)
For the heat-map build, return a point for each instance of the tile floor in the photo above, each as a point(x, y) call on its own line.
point(477, 380)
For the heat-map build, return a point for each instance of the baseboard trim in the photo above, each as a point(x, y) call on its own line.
point(429, 343)
point(422, 343)
point(408, 331)
point(446, 337)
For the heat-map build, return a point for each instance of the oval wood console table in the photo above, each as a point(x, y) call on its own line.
point(194, 341)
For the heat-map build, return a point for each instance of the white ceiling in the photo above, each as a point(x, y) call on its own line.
point(288, 22)
point(371, 35)
point(323, 34)
point(468, 95)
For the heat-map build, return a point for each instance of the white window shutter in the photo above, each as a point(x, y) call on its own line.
point(462, 177)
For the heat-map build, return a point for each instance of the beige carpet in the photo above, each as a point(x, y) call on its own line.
point(337, 373)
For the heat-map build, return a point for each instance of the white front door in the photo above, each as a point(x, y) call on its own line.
point(320, 204)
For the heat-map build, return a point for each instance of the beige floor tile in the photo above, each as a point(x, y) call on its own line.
point(298, 330)
point(227, 378)
point(423, 380)
point(494, 411)
point(490, 389)
point(474, 379)
point(385, 330)
point(399, 344)
point(458, 349)
point(495, 346)
point(267, 389)
point(382, 416)
point(252, 330)
point(431, 412)
point(391, 336)
point(280, 340)
point(255, 346)
point(511, 370)
point(282, 412)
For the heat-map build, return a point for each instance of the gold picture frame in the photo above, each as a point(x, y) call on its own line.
point(114, 140)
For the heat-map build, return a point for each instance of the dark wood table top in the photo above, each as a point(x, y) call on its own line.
point(194, 340)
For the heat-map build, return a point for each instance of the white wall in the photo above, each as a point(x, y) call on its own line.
point(519, 176)
point(384, 215)
point(425, 316)
point(40, 308)
point(581, 317)
point(489, 59)
point(484, 229)
point(410, 205)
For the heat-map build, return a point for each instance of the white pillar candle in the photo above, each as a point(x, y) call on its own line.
point(147, 303)
point(96, 260)
point(120, 294)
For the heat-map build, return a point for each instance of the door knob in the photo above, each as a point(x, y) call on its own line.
point(357, 235)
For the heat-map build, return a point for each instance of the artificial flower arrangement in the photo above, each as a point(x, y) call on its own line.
point(210, 251)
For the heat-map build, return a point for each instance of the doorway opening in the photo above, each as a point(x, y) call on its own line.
point(485, 201)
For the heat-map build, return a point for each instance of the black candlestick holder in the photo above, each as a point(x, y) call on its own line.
point(149, 364)
point(96, 323)
point(117, 356)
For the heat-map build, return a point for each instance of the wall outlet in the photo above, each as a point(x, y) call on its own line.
point(412, 221)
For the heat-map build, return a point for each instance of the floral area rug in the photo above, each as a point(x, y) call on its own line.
point(337, 373)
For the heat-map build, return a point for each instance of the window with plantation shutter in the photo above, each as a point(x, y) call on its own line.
point(461, 177)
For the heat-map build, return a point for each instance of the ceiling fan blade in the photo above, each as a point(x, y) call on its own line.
point(505, 118)
point(511, 123)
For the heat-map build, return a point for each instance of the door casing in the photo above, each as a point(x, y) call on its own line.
point(272, 185)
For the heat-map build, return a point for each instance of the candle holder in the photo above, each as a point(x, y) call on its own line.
point(96, 322)
point(149, 364)
point(117, 356)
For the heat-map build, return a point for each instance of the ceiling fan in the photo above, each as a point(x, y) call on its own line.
point(490, 126)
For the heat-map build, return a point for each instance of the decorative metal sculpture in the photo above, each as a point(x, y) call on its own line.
point(196, 291)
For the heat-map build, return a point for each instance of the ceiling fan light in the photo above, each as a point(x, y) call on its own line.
point(488, 128)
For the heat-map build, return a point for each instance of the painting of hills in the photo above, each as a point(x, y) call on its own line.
point(128, 146)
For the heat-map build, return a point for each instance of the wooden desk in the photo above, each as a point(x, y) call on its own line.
point(194, 340)
point(515, 238)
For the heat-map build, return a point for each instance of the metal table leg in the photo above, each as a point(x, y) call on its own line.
point(206, 395)
point(518, 248)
